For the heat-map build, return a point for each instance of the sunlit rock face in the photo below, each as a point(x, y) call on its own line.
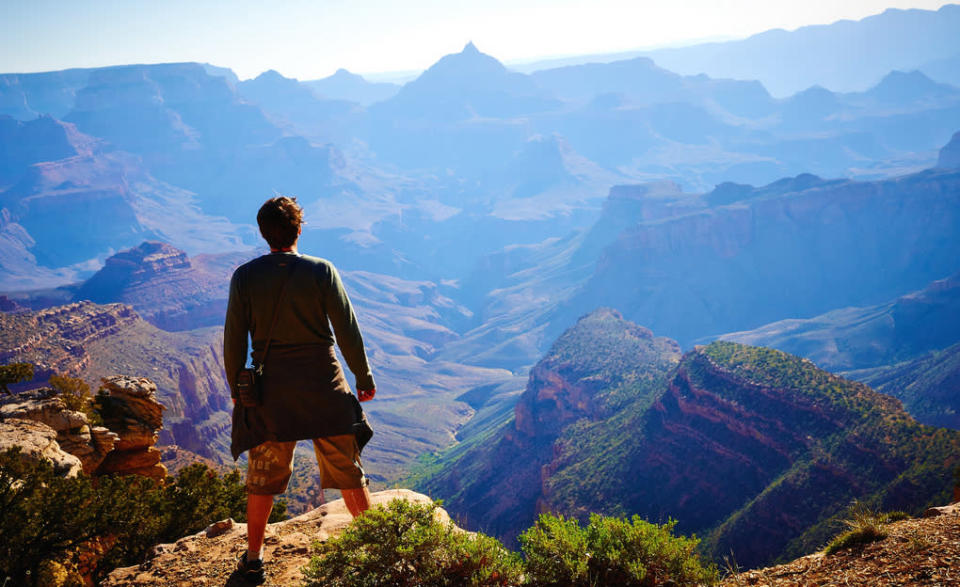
point(89, 341)
point(130, 408)
point(165, 287)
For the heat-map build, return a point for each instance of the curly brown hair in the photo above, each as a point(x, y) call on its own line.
point(279, 220)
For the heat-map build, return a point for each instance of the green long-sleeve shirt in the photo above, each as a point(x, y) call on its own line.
point(313, 301)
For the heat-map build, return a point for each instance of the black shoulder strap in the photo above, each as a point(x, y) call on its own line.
point(276, 310)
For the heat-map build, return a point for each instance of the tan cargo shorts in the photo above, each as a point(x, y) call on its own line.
point(270, 465)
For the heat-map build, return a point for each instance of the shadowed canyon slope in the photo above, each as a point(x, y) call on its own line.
point(873, 336)
point(907, 348)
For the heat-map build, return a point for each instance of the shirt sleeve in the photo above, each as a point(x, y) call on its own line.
point(346, 330)
point(235, 329)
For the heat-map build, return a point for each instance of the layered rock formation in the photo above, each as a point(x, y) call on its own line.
point(55, 339)
point(129, 407)
point(584, 379)
point(37, 441)
point(793, 249)
point(167, 289)
point(87, 340)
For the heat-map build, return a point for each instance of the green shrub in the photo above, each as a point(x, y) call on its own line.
point(14, 373)
point(404, 544)
point(75, 394)
point(864, 525)
point(43, 517)
point(611, 551)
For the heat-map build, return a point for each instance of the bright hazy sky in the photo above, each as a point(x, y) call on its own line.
point(311, 39)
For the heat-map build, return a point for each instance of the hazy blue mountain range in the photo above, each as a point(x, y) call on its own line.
point(344, 85)
point(295, 105)
point(946, 69)
point(70, 200)
point(795, 248)
point(843, 56)
point(950, 154)
point(688, 263)
point(756, 450)
point(517, 192)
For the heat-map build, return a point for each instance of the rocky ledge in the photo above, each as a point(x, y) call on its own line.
point(209, 557)
point(922, 551)
point(40, 423)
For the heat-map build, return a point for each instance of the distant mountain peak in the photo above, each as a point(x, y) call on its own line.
point(271, 74)
point(469, 83)
point(908, 86)
point(907, 77)
point(345, 74)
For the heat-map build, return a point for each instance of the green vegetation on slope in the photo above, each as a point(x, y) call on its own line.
point(598, 368)
point(45, 518)
point(859, 445)
point(759, 451)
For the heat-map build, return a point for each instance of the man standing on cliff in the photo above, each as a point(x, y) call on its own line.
point(293, 300)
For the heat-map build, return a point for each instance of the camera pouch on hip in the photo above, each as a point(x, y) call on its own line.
point(249, 387)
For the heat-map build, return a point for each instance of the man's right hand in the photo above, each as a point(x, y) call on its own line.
point(366, 395)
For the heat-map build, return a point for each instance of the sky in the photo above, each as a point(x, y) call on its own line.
point(312, 39)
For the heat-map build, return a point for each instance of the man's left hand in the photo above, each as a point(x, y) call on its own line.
point(366, 395)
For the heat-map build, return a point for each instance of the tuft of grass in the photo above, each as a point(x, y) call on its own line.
point(917, 542)
point(731, 570)
point(864, 525)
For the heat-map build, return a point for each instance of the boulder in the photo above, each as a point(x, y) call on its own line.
point(38, 441)
point(73, 431)
point(947, 510)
